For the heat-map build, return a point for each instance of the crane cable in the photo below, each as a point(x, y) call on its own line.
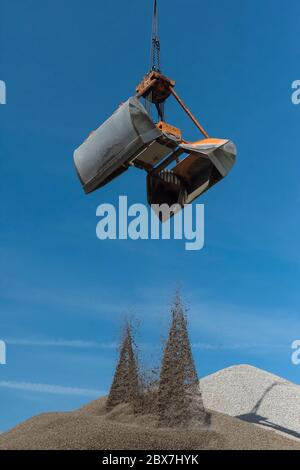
point(155, 41)
point(155, 63)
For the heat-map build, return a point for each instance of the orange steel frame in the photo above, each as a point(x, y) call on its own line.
point(162, 87)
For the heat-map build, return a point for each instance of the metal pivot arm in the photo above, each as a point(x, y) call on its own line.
point(195, 121)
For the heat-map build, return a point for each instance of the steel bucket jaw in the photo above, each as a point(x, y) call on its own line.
point(208, 161)
point(111, 149)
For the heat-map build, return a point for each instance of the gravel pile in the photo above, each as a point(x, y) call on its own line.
point(256, 396)
point(245, 392)
point(93, 428)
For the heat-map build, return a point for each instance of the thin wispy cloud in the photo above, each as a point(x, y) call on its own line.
point(77, 303)
point(86, 344)
point(91, 302)
point(74, 344)
point(238, 346)
point(60, 343)
point(239, 325)
point(214, 325)
point(52, 389)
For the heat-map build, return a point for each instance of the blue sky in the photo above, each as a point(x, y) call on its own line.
point(63, 292)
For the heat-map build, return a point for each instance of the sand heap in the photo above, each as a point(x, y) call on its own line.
point(256, 396)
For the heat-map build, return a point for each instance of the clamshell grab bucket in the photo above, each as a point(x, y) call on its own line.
point(128, 135)
point(131, 138)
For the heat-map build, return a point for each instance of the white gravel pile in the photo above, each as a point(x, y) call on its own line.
point(256, 396)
